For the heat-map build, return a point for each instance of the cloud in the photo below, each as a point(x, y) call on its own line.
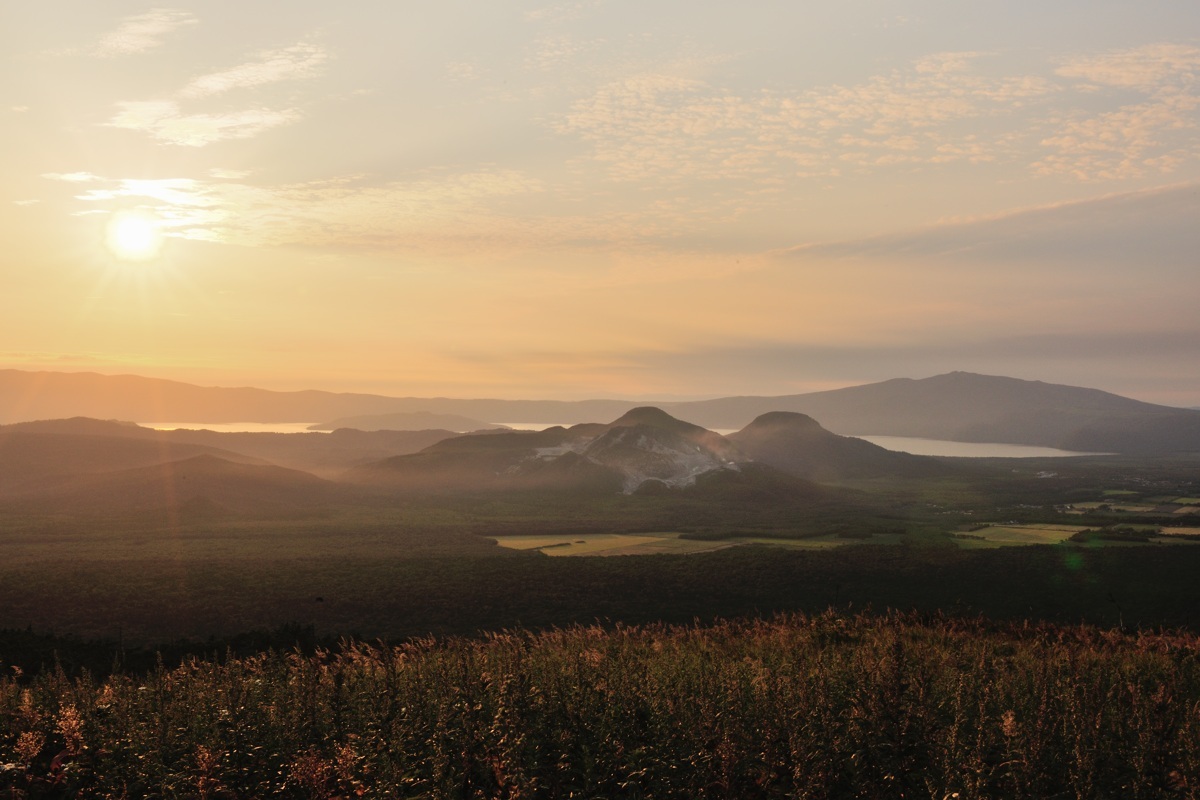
point(26, 202)
point(1157, 134)
point(561, 12)
point(1076, 120)
point(1155, 227)
point(143, 32)
point(164, 121)
point(550, 53)
point(18, 109)
point(1145, 68)
point(662, 126)
point(70, 177)
point(463, 70)
point(298, 62)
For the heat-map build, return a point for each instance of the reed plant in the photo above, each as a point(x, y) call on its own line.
point(799, 706)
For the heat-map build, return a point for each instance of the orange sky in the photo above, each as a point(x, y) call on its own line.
point(602, 198)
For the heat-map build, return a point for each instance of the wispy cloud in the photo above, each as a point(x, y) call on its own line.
point(298, 62)
point(143, 32)
point(164, 121)
point(1156, 226)
point(70, 177)
point(168, 122)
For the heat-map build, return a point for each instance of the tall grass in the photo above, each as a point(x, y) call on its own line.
point(825, 706)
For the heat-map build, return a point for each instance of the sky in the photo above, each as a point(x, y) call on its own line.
point(603, 198)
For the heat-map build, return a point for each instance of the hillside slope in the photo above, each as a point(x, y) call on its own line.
point(798, 445)
point(204, 484)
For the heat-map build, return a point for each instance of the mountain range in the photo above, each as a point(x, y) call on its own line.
point(93, 466)
point(957, 406)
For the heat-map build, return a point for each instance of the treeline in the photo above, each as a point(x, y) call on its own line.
point(152, 602)
point(824, 706)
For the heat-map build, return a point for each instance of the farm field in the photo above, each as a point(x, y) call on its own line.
point(1020, 535)
point(1008, 535)
point(1168, 532)
point(626, 544)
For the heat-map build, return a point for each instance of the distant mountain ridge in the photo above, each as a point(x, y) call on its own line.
point(29, 449)
point(965, 407)
point(957, 406)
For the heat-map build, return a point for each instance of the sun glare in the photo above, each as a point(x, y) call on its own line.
point(134, 236)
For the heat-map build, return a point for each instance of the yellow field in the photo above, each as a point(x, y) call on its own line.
point(578, 545)
point(1131, 508)
point(625, 544)
point(1003, 535)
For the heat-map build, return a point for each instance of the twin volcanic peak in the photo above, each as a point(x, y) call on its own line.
point(645, 446)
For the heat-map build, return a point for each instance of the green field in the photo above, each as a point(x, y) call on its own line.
point(1174, 500)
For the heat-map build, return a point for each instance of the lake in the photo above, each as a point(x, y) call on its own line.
point(233, 427)
point(939, 447)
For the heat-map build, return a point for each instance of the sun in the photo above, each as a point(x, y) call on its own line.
point(134, 236)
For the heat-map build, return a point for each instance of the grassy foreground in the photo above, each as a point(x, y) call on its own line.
point(822, 706)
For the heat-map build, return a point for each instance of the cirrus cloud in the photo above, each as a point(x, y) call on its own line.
point(164, 121)
point(297, 62)
point(143, 32)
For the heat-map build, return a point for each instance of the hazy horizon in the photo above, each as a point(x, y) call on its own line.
point(581, 397)
point(598, 199)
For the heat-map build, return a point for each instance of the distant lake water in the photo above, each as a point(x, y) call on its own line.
point(233, 427)
point(939, 447)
